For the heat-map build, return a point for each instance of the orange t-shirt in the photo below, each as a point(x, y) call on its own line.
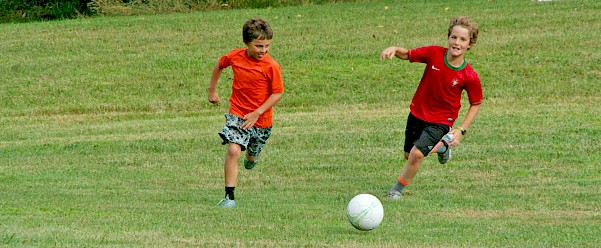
point(254, 82)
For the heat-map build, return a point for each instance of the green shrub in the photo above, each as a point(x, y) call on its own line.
point(137, 7)
point(37, 10)
point(134, 7)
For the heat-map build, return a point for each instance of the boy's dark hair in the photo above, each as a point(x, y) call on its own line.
point(256, 29)
point(465, 22)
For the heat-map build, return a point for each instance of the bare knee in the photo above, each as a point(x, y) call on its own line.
point(415, 156)
point(234, 150)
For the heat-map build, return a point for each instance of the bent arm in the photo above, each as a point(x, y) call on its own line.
point(213, 96)
point(251, 118)
point(272, 100)
point(465, 124)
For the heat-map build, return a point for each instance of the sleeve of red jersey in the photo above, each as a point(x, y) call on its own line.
point(474, 91)
point(419, 55)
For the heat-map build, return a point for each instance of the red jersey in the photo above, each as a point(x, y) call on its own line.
point(254, 82)
point(438, 96)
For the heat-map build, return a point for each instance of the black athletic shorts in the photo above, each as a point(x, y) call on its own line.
point(422, 134)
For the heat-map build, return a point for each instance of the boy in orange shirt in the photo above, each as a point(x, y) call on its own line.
point(257, 86)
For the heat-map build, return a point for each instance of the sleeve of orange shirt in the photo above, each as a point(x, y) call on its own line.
point(224, 61)
point(275, 75)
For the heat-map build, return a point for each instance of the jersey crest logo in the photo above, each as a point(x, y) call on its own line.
point(455, 83)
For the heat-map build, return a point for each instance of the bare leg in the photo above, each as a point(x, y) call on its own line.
point(414, 161)
point(231, 164)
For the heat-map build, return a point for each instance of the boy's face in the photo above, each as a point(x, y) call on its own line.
point(459, 41)
point(257, 49)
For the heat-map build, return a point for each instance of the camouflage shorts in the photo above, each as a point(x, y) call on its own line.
point(253, 139)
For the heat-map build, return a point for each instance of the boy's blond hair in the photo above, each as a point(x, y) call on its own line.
point(465, 22)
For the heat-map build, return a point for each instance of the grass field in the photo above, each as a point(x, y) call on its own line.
point(107, 139)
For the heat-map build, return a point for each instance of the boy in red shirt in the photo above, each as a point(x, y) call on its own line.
point(256, 88)
point(436, 103)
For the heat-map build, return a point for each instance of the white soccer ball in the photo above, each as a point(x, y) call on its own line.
point(365, 212)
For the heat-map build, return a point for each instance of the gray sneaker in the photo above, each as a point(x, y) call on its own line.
point(394, 194)
point(444, 156)
point(227, 203)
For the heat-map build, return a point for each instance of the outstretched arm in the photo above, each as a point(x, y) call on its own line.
point(213, 96)
point(399, 52)
point(467, 122)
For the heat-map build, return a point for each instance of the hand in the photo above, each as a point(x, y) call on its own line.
point(213, 97)
point(250, 119)
point(456, 137)
point(388, 53)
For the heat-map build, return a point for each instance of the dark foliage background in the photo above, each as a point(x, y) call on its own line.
point(38, 10)
point(43, 10)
